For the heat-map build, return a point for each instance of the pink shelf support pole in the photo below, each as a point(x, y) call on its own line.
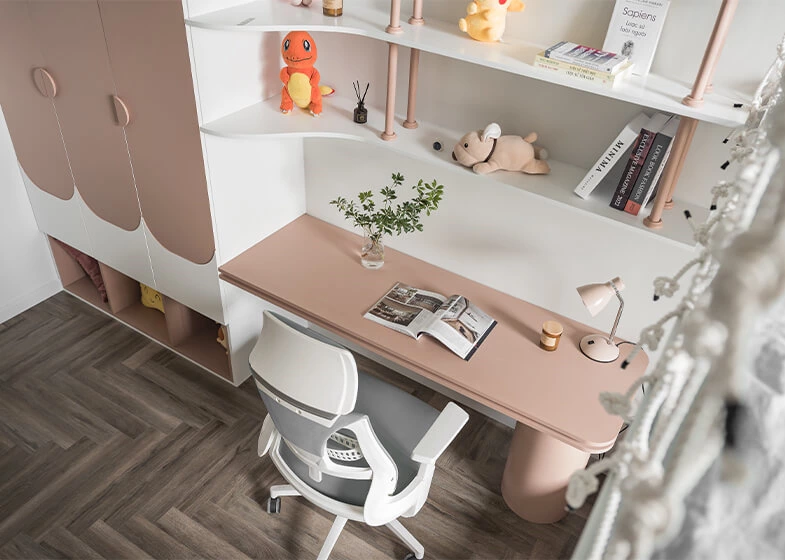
point(672, 187)
point(414, 64)
point(712, 54)
point(392, 74)
point(665, 190)
point(416, 18)
point(395, 17)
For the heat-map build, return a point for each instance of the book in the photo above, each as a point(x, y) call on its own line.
point(586, 57)
point(651, 169)
point(586, 74)
point(614, 153)
point(656, 181)
point(454, 321)
point(635, 29)
point(638, 155)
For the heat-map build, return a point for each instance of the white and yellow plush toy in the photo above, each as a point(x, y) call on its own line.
point(485, 19)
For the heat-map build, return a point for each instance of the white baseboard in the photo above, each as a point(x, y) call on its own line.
point(25, 301)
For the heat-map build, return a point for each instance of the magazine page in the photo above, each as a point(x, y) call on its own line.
point(406, 309)
point(461, 326)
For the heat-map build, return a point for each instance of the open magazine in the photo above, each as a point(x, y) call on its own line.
point(454, 321)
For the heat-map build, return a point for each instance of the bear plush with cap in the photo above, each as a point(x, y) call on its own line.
point(487, 150)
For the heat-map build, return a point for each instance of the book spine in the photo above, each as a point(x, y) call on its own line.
point(572, 71)
point(637, 157)
point(586, 57)
point(607, 160)
point(649, 170)
point(551, 64)
point(655, 181)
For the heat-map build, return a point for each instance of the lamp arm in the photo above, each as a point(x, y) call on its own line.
point(618, 314)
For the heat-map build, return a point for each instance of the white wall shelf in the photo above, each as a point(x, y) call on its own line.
point(265, 120)
point(516, 57)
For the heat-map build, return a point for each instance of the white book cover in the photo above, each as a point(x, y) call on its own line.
point(609, 158)
point(635, 30)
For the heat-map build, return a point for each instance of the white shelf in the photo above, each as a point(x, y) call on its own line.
point(444, 39)
point(264, 120)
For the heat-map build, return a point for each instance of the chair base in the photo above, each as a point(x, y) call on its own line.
point(274, 507)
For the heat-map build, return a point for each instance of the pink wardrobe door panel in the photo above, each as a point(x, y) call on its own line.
point(72, 40)
point(30, 115)
point(149, 54)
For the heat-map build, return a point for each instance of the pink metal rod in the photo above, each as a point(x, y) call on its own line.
point(691, 134)
point(395, 17)
point(416, 18)
point(712, 54)
point(392, 73)
point(414, 64)
point(680, 146)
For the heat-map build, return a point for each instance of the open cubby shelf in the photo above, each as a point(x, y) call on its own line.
point(75, 279)
point(180, 329)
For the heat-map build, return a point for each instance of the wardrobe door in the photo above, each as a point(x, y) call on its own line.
point(29, 111)
point(149, 55)
point(72, 41)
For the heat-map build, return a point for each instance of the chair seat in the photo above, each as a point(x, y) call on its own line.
point(399, 420)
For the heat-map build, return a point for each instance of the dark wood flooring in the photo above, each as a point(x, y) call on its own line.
point(113, 447)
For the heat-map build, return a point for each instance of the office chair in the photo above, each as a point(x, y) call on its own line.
point(346, 441)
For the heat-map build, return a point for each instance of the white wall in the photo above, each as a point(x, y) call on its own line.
point(27, 272)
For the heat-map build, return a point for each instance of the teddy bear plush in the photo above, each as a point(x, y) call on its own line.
point(487, 150)
point(485, 19)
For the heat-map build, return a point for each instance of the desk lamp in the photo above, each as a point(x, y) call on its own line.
point(596, 297)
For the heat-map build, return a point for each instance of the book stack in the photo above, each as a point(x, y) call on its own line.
point(598, 67)
point(632, 165)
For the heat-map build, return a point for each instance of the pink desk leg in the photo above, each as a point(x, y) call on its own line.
point(392, 74)
point(416, 18)
point(535, 478)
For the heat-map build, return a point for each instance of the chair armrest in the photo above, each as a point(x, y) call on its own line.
point(440, 434)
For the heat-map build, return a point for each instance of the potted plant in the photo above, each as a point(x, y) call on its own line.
point(386, 218)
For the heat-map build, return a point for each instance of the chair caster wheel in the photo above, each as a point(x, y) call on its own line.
point(410, 556)
point(273, 505)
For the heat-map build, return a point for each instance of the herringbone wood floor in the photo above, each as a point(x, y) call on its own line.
point(113, 447)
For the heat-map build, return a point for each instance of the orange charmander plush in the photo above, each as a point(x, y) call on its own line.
point(300, 78)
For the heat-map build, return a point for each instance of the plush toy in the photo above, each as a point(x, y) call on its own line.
point(305, 3)
point(485, 19)
point(487, 150)
point(151, 298)
point(300, 78)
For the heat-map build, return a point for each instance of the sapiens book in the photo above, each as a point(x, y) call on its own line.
point(614, 153)
point(651, 167)
point(635, 29)
point(587, 57)
point(605, 79)
point(454, 321)
point(640, 150)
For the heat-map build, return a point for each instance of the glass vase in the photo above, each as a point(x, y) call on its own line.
point(372, 252)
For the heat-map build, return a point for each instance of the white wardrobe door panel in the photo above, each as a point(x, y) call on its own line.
point(125, 251)
point(62, 219)
point(194, 285)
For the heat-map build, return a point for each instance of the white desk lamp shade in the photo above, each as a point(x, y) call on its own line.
point(596, 297)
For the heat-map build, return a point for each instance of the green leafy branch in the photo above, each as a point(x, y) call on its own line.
point(386, 219)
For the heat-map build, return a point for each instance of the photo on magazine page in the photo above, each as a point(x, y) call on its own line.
point(393, 311)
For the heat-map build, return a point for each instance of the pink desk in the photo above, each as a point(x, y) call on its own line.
point(312, 269)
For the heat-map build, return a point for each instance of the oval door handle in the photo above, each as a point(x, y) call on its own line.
point(121, 112)
point(44, 82)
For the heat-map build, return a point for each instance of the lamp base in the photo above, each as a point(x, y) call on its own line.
point(599, 348)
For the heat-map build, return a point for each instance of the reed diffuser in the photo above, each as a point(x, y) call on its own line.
point(360, 112)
